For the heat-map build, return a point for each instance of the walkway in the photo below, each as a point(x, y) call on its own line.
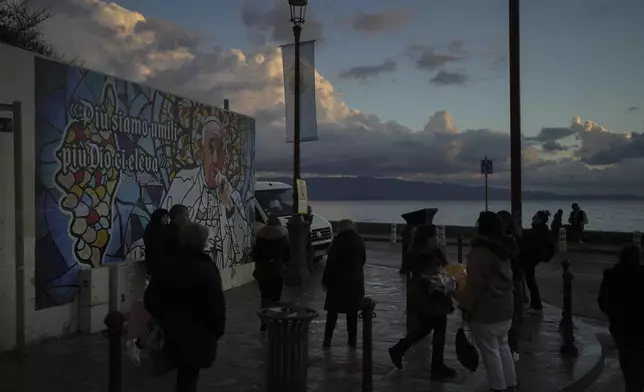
point(80, 364)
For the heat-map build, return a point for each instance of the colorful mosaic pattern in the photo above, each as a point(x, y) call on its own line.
point(110, 152)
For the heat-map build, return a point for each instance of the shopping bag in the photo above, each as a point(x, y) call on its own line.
point(154, 344)
point(466, 353)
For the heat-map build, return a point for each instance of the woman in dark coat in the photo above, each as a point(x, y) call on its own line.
point(271, 255)
point(187, 299)
point(430, 307)
point(343, 281)
point(153, 240)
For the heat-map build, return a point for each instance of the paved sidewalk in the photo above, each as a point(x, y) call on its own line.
point(80, 364)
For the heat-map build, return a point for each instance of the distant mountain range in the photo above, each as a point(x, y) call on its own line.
point(368, 188)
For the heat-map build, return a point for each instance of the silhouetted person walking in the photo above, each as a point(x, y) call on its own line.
point(536, 246)
point(557, 224)
point(343, 281)
point(430, 306)
point(621, 298)
point(187, 299)
point(271, 254)
point(578, 221)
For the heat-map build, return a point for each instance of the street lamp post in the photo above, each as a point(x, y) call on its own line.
point(298, 228)
point(515, 111)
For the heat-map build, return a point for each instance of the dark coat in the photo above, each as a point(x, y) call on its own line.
point(621, 298)
point(534, 243)
point(271, 253)
point(186, 298)
point(344, 273)
point(153, 240)
point(171, 242)
point(512, 245)
point(422, 264)
point(556, 224)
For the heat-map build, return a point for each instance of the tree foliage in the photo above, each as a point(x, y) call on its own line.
point(21, 26)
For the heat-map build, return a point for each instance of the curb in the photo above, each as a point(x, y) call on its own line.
point(589, 378)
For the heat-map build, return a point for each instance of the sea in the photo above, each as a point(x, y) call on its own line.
point(626, 216)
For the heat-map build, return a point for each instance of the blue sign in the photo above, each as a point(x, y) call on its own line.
point(486, 166)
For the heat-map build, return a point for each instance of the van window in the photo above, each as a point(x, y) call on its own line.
point(276, 201)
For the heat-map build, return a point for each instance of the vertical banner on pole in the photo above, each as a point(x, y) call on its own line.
point(308, 115)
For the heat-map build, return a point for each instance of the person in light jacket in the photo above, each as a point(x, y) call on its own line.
point(488, 301)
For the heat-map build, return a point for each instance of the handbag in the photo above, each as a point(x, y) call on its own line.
point(466, 353)
point(160, 363)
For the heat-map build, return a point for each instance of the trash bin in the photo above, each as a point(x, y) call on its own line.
point(288, 346)
point(413, 219)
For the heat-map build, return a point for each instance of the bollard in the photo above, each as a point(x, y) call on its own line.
point(393, 237)
point(637, 239)
point(288, 347)
point(114, 322)
point(459, 243)
point(563, 244)
point(367, 305)
point(566, 325)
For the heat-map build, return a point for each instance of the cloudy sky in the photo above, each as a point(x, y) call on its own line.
point(413, 89)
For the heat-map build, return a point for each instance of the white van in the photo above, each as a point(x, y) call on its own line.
point(277, 198)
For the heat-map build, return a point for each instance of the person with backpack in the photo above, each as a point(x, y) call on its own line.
point(537, 246)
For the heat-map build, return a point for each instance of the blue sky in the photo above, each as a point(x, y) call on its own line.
point(579, 57)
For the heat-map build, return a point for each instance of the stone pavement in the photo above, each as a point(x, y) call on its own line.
point(80, 364)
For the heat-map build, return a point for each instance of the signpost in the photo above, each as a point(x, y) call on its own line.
point(486, 169)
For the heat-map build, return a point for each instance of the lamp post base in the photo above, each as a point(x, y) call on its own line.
point(298, 233)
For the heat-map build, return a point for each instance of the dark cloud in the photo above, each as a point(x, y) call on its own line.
point(552, 134)
point(375, 22)
point(365, 145)
point(369, 71)
point(447, 78)
point(273, 23)
point(632, 109)
point(553, 146)
point(432, 59)
point(621, 148)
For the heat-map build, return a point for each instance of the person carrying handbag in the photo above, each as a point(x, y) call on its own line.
point(430, 307)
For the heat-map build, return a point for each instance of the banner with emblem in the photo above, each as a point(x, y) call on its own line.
point(308, 116)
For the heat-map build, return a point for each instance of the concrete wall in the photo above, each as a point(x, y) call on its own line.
point(84, 312)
